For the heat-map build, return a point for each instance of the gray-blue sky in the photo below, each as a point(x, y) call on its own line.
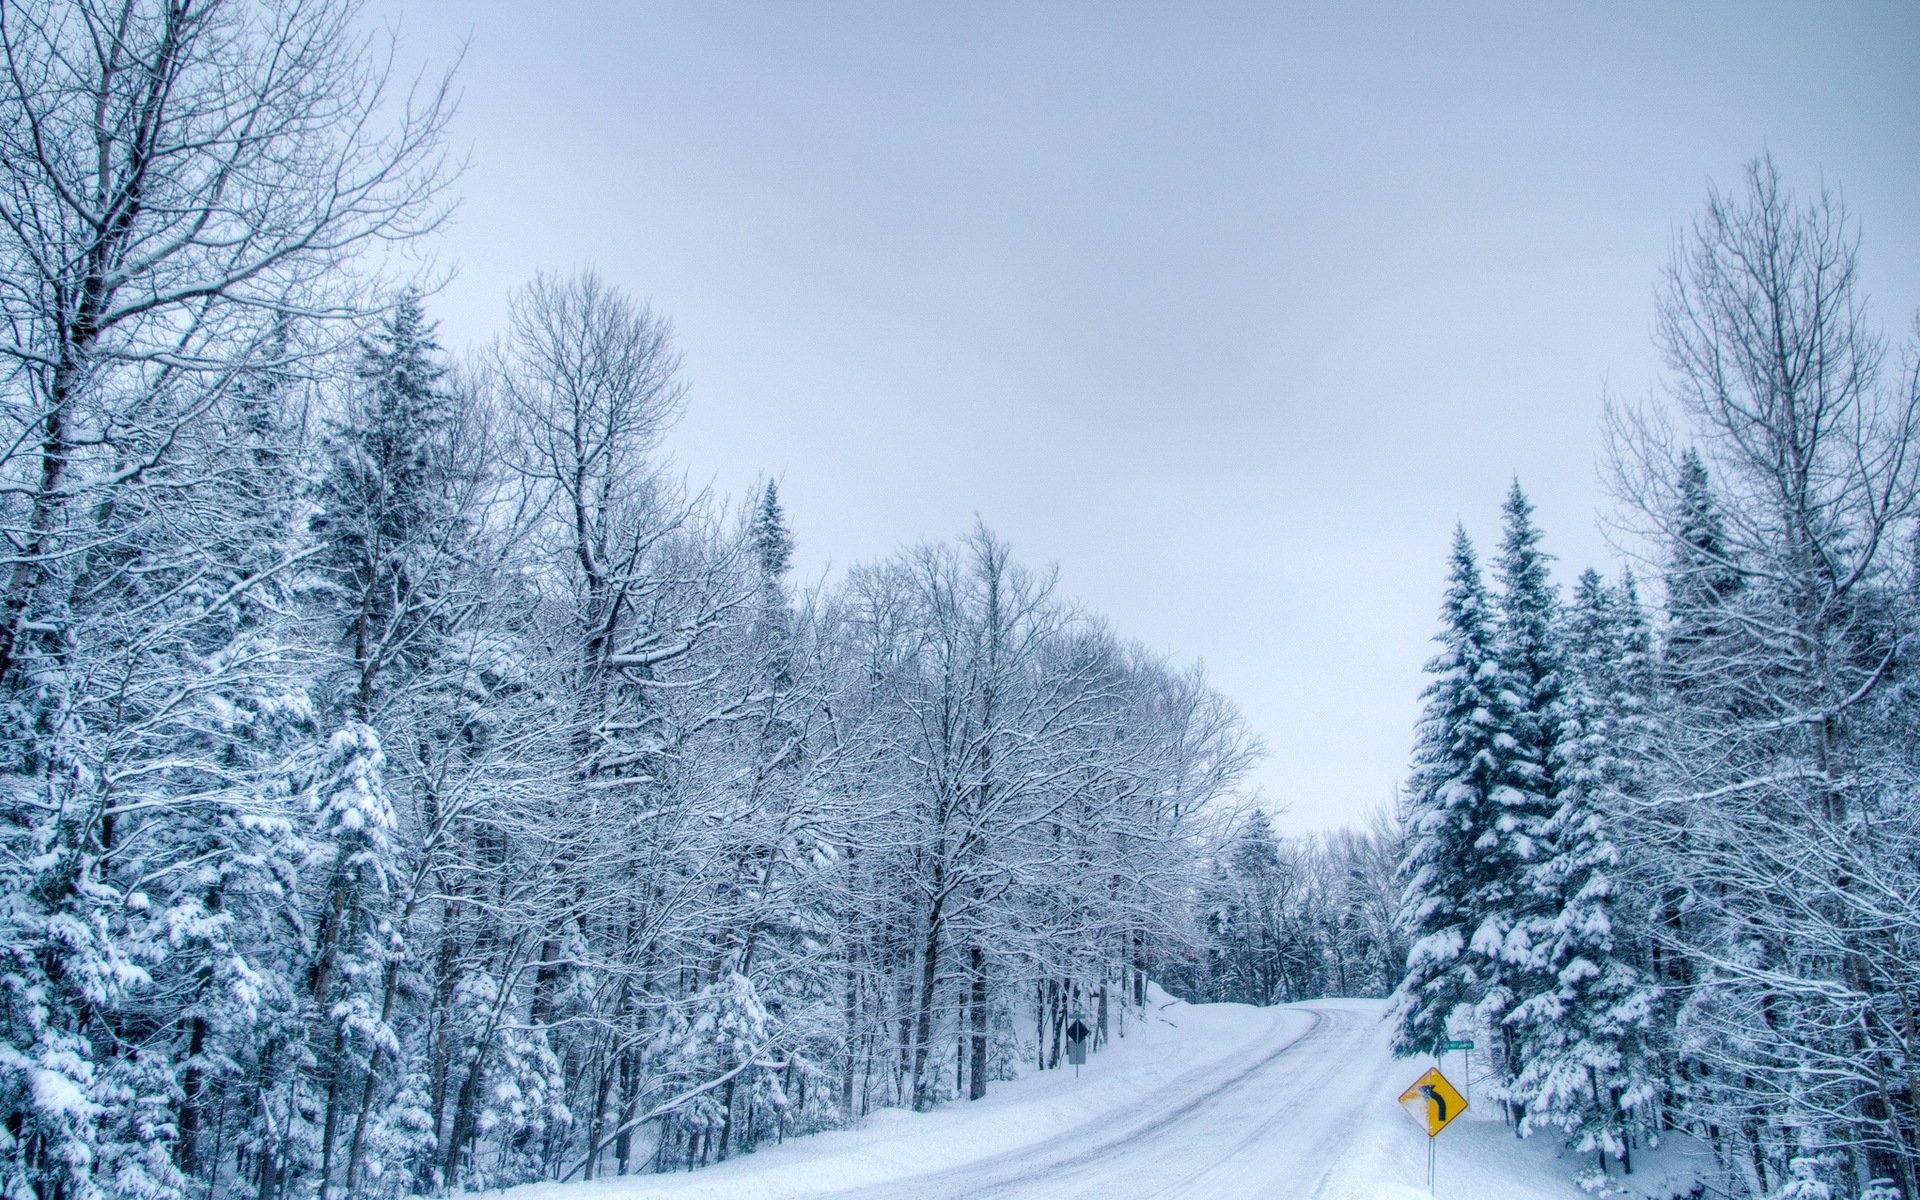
point(1228, 310)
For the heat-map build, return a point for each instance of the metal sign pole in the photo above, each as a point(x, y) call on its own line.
point(1434, 1103)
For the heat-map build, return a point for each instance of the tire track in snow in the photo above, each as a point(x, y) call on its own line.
point(1285, 1105)
point(1013, 1173)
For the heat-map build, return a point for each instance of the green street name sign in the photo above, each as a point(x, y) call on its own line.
point(1456, 1045)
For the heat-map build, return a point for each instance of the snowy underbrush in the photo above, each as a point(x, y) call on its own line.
point(1678, 1169)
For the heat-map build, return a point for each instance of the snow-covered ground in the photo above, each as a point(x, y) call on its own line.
point(1207, 1102)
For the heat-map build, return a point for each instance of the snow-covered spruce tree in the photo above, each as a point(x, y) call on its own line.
point(184, 702)
point(1530, 683)
point(1582, 1039)
point(1702, 579)
point(227, 913)
point(1245, 915)
point(773, 547)
point(395, 596)
point(1452, 816)
point(386, 510)
point(720, 1058)
point(1701, 635)
point(1480, 798)
point(768, 920)
point(354, 857)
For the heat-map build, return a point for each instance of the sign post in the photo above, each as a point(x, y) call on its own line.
point(1466, 1064)
point(1433, 1103)
point(1077, 1034)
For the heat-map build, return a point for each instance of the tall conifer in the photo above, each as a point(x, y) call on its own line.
point(1529, 684)
point(1583, 1031)
point(1450, 813)
point(383, 505)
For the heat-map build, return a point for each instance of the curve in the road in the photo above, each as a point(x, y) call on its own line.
point(1272, 1126)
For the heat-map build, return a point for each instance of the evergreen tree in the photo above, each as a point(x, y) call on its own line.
point(1699, 647)
point(1249, 917)
point(1452, 815)
point(1702, 579)
point(1583, 1038)
point(772, 542)
point(1531, 676)
point(1529, 681)
point(146, 839)
point(353, 852)
point(384, 512)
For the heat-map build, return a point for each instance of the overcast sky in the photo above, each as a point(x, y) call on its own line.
point(1229, 311)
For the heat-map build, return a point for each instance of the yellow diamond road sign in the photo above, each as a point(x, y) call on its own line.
point(1432, 1102)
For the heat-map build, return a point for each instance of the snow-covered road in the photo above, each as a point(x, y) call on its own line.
point(1202, 1102)
point(1280, 1119)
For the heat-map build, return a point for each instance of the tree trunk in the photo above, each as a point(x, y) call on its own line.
point(977, 1070)
point(929, 981)
point(1040, 1026)
point(186, 1147)
point(852, 1039)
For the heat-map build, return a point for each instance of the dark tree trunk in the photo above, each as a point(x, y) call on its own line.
point(977, 1069)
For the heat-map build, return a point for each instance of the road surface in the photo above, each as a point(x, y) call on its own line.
point(1285, 1120)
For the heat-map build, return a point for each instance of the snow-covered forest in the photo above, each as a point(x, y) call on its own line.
point(410, 785)
point(1663, 859)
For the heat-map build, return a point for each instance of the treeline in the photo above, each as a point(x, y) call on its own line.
point(1664, 846)
point(1299, 918)
point(406, 784)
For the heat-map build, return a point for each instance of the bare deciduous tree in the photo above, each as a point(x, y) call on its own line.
point(1785, 815)
point(178, 180)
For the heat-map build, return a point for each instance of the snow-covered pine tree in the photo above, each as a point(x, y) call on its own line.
point(353, 856)
point(1247, 916)
point(1452, 815)
point(1702, 579)
point(146, 676)
point(147, 843)
point(772, 540)
point(226, 965)
point(769, 915)
point(1700, 637)
point(384, 508)
point(1529, 684)
point(392, 541)
point(1582, 1040)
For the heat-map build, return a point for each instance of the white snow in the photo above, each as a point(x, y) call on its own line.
point(1207, 1102)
